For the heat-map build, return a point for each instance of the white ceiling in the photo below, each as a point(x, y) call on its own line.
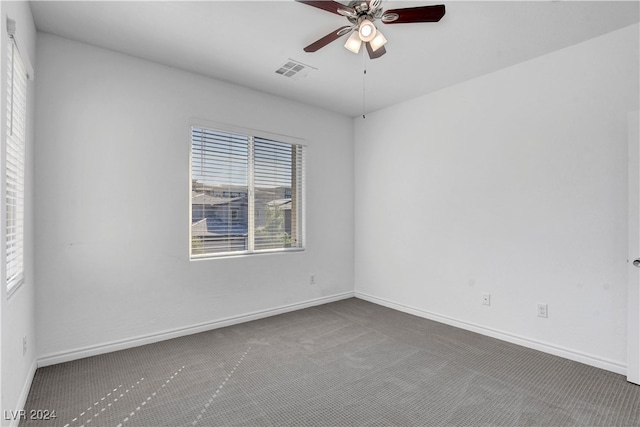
point(244, 42)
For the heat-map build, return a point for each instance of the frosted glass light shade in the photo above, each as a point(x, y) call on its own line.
point(353, 43)
point(378, 41)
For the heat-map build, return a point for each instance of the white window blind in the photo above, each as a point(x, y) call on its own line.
point(14, 158)
point(247, 194)
point(219, 205)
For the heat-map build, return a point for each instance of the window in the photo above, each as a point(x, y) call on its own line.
point(14, 165)
point(247, 194)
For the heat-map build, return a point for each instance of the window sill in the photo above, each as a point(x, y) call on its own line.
point(13, 286)
point(244, 254)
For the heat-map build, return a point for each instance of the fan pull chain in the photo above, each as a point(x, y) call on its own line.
point(364, 75)
point(363, 93)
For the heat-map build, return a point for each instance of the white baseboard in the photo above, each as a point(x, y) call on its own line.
point(79, 353)
point(22, 400)
point(567, 353)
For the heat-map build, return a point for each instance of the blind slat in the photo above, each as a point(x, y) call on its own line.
point(14, 166)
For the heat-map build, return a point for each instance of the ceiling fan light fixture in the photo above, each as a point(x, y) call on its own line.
point(353, 42)
point(378, 41)
point(367, 30)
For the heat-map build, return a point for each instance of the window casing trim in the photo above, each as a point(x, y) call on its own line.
point(207, 124)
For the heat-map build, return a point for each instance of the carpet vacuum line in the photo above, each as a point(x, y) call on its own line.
point(115, 399)
point(206, 406)
point(151, 396)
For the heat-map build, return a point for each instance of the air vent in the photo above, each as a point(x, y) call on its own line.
point(294, 69)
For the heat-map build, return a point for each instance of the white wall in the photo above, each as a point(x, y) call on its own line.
point(112, 185)
point(17, 310)
point(512, 184)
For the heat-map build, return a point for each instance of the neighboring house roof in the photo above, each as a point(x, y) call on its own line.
point(282, 203)
point(210, 227)
point(199, 228)
point(199, 186)
point(205, 199)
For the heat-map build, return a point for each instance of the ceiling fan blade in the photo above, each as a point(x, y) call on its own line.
point(377, 54)
point(328, 5)
point(413, 14)
point(328, 39)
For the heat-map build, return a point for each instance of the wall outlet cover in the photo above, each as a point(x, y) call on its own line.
point(542, 310)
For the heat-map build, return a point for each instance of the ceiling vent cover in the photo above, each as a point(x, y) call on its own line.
point(294, 69)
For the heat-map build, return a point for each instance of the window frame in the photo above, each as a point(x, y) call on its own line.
point(251, 134)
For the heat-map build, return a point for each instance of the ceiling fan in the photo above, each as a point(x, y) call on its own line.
point(362, 15)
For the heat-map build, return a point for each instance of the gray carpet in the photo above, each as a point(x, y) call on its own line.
point(345, 363)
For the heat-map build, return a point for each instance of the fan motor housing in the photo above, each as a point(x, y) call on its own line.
point(364, 11)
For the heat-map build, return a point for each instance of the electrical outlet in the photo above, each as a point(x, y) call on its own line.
point(542, 310)
point(486, 299)
point(24, 345)
point(312, 279)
